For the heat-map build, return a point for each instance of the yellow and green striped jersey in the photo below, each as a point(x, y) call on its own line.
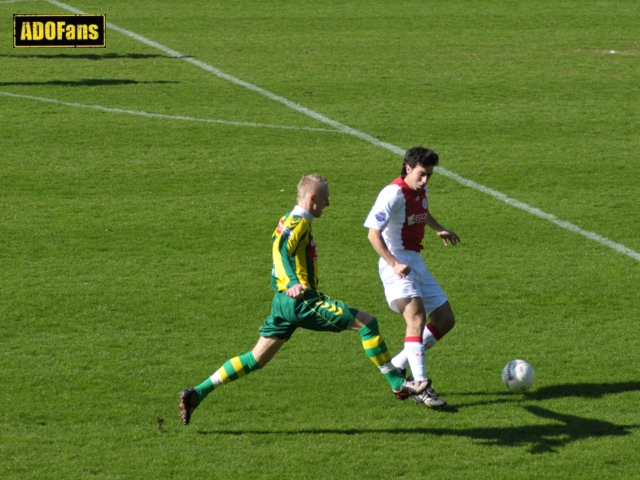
point(295, 259)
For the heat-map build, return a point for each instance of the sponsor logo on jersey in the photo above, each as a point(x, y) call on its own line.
point(381, 216)
point(417, 218)
point(286, 233)
point(59, 31)
point(312, 252)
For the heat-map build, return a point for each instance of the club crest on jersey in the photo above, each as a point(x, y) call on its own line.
point(424, 203)
point(381, 216)
point(417, 218)
point(280, 225)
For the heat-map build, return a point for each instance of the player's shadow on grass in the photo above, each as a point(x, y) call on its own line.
point(88, 56)
point(539, 438)
point(543, 438)
point(86, 82)
point(583, 390)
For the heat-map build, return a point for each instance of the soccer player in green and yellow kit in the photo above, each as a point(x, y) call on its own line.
point(298, 304)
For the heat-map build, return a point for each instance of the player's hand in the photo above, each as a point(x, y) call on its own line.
point(296, 291)
point(448, 236)
point(401, 270)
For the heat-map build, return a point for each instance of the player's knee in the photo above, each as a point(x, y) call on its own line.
point(364, 317)
point(443, 318)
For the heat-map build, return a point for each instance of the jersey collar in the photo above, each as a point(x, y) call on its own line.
point(405, 186)
point(301, 212)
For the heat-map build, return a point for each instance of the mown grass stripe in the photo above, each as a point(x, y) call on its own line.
point(368, 138)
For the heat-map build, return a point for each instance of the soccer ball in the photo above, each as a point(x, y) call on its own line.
point(518, 376)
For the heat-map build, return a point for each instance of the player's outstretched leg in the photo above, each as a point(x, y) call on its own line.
point(232, 369)
point(376, 349)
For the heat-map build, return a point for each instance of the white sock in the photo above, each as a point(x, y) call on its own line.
point(414, 348)
point(400, 360)
point(428, 339)
point(216, 379)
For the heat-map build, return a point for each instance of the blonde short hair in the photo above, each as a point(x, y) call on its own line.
point(311, 184)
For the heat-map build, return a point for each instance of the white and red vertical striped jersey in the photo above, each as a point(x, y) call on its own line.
point(401, 214)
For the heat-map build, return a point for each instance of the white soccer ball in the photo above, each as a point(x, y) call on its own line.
point(518, 376)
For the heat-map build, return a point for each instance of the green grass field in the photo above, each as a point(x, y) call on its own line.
point(135, 250)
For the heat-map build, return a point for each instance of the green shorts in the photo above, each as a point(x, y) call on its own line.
point(314, 311)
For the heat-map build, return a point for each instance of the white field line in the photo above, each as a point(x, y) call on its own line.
point(368, 138)
point(15, 1)
point(159, 115)
point(539, 213)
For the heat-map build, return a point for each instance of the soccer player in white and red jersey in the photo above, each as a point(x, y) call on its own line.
point(396, 229)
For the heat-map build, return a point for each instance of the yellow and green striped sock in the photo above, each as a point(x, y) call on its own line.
point(376, 349)
point(231, 370)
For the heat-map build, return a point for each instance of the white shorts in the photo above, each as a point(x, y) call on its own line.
point(419, 283)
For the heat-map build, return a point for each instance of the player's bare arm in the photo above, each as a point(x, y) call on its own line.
point(379, 245)
point(443, 233)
